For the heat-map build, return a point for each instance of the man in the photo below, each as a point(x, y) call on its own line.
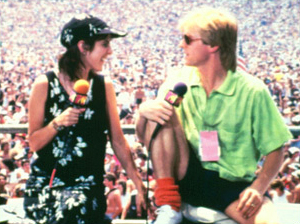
point(139, 95)
point(113, 197)
point(227, 120)
point(124, 102)
point(18, 113)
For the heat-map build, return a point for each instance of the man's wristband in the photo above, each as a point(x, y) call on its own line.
point(57, 127)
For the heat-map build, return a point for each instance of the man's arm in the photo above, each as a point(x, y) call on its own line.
point(253, 195)
point(269, 170)
point(157, 110)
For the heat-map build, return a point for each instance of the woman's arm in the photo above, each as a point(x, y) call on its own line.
point(40, 135)
point(118, 141)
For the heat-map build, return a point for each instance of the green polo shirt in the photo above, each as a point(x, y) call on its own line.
point(241, 111)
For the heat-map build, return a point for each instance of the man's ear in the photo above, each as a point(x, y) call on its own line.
point(214, 49)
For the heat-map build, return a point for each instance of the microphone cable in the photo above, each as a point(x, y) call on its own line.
point(78, 100)
point(147, 176)
point(173, 97)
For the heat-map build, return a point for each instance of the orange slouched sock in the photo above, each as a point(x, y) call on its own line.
point(167, 193)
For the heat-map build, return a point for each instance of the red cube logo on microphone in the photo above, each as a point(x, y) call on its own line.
point(173, 98)
point(78, 99)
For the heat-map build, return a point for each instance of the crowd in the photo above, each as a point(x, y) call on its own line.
point(268, 38)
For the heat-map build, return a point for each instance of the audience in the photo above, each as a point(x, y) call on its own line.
point(269, 41)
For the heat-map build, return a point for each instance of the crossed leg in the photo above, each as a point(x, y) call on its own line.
point(170, 155)
point(169, 150)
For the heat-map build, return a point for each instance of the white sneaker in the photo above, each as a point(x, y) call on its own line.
point(166, 215)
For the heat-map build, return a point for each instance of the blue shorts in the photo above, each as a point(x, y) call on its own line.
point(201, 187)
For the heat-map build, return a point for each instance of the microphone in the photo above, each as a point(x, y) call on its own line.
point(173, 97)
point(81, 87)
point(78, 99)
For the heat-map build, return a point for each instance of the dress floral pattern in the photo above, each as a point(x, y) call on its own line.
point(77, 153)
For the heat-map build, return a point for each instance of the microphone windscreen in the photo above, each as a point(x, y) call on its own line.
point(173, 97)
point(180, 89)
point(81, 86)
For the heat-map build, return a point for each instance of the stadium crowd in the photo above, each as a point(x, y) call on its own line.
point(29, 34)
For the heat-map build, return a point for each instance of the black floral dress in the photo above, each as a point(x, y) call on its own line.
point(77, 152)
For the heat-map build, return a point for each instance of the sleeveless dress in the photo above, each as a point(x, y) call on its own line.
point(77, 152)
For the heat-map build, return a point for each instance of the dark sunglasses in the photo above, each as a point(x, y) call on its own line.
point(189, 40)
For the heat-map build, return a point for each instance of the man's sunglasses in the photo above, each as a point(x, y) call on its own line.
point(189, 40)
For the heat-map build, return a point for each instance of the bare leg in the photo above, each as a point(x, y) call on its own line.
point(169, 155)
point(265, 215)
point(169, 151)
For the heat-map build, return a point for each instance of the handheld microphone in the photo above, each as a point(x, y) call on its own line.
point(173, 97)
point(81, 87)
point(78, 99)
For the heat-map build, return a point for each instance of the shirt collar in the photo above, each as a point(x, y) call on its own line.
point(229, 85)
point(227, 88)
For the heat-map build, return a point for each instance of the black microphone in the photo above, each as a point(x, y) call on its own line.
point(173, 97)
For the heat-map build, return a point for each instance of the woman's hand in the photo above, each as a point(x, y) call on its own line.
point(141, 201)
point(69, 117)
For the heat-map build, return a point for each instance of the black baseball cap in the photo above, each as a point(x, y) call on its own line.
point(86, 26)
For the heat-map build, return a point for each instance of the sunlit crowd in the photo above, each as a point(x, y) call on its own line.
point(269, 42)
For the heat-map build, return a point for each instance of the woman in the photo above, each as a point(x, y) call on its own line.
point(65, 185)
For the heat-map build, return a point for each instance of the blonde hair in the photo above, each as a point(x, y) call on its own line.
point(217, 28)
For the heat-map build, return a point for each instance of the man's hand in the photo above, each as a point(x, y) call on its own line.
point(249, 203)
point(156, 110)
